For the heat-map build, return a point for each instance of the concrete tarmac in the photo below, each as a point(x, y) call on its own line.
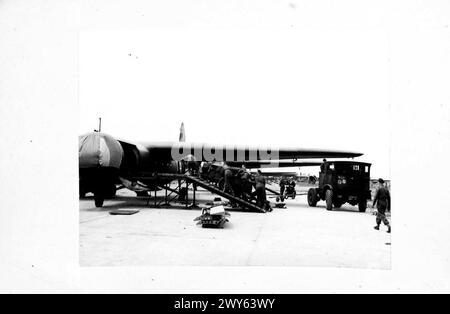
point(296, 236)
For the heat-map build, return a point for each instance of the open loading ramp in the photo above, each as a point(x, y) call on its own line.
point(207, 186)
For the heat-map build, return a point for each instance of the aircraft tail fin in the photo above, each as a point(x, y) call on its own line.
point(182, 133)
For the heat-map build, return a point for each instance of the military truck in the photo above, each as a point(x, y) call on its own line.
point(342, 182)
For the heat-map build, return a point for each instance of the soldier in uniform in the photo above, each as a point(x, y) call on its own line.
point(228, 180)
point(323, 172)
point(324, 166)
point(283, 183)
point(219, 175)
point(246, 184)
point(192, 165)
point(238, 183)
point(382, 200)
point(260, 189)
point(292, 183)
point(212, 174)
point(204, 170)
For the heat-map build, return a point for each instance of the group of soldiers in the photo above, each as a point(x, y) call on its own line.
point(238, 182)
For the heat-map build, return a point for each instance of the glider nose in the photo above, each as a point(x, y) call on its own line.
point(98, 149)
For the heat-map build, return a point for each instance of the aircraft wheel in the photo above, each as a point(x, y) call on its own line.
point(111, 191)
point(99, 199)
point(329, 199)
point(362, 205)
point(312, 197)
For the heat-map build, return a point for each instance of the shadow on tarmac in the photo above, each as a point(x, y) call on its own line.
point(348, 209)
point(126, 202)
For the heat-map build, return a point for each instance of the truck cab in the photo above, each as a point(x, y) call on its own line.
point(342, 182)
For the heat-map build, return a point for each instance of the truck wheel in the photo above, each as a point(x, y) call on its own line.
point(312, 197)
point(362, 205)
point(99, 198)
point(329, 199)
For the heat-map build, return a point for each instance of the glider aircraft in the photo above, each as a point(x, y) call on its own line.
point(105, 161)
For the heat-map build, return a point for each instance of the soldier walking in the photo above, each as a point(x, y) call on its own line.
point(383, 201)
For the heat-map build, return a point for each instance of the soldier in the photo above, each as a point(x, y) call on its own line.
point(383, 201)
point(323, 172)
point(246, 184)
point(282, 188)
point(260, 189)
point(292, 183)
point(324, 166)
point(238, 183)
point(219, 174)
point(228, 180)
point(212, 174)
point(192, 165)
point(203, 171)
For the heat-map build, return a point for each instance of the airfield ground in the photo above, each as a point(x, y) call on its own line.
point(296, 236)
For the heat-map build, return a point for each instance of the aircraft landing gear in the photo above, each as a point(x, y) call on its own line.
point(99, 198)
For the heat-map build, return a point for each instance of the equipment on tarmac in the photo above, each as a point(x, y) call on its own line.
point(279, 203)
point(213, 217)
point(123, 212)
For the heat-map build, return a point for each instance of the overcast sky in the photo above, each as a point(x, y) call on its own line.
point(310, 89)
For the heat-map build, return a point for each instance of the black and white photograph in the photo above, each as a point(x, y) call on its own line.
point(234, 148)
point(224, 147)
